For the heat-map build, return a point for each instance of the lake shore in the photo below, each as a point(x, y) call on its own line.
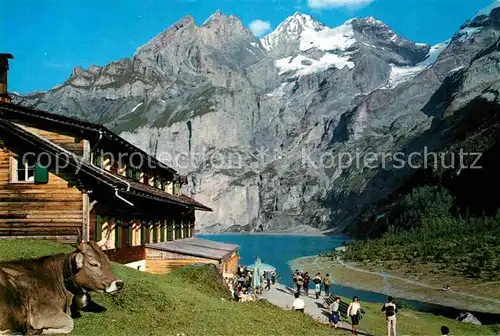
point(362, 279)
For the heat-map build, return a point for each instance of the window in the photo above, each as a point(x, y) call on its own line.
point(118, 234)
point(23, 168)
point(130, 172)
point(97, 160)
point(177, 188)
point(98, 228)
point(159, 183)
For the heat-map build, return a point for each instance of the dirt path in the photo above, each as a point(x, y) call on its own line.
point(416, 283)
point(282, 296)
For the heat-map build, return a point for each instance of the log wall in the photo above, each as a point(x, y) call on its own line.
point(49, 210)
point(231, 264)
point(162, 262)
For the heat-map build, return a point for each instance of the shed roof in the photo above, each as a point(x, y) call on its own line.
point(197, 247)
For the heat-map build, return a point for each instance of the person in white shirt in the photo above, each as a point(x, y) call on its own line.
point(354, 311)
point(298, 303)
point(334, 313)
point(390, 315)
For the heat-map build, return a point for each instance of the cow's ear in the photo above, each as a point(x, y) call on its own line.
point(78, 260)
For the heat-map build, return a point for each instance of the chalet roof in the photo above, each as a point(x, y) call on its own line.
point(73, 125)
point(197, 247)
point(119, 182)
point(149, 190)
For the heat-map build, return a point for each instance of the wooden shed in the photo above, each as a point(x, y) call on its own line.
point(164, 257)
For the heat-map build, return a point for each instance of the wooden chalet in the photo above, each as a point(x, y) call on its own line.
point(60, 176)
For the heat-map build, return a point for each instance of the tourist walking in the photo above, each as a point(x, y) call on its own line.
point(298, 303)
point(307, 280)
point(334, 317)
point(294, 277)
point(317, 285)
point(299, 282)
point(390, 315)
point(354, 311)
point(326, 284)
point(273, 277)
point(268, 280)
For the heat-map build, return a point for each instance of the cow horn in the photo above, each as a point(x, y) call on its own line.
point(79, 237)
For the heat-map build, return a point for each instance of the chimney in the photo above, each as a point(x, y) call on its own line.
point(4, 68)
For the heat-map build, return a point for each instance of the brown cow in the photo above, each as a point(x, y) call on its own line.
point(36, 294)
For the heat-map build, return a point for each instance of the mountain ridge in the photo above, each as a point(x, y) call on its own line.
point(199, 92)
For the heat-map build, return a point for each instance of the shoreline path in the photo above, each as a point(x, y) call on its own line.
point(416, 283)
point(282, 296)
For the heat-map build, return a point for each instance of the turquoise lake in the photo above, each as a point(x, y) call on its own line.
point(278, 250)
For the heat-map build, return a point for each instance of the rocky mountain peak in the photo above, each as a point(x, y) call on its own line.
point(485, 17)
point(78, 71)
point(302, 21)
point(214, 16)
point(219, 19)
point(160, 41)
point(291, 29)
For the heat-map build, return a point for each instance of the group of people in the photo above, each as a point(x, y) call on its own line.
point(354, 312)
point(243, 287)
point(302, 281)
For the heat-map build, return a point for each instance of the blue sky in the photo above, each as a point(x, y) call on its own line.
point(50, 37)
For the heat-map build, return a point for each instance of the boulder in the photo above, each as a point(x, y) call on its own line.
point(468, 318)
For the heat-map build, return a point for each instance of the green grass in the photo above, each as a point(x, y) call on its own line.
point(410, 322)
point(192, 301)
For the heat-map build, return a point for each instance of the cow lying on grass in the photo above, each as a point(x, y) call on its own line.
point(36, 294)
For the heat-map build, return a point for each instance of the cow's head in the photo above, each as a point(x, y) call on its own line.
point(92, 269)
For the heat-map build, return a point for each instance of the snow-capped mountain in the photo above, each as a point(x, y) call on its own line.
point(278, 112)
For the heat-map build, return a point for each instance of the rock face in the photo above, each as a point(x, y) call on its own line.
point(292, 131)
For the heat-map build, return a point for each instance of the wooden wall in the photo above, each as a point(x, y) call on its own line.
point(125, 255)
point(162, 262)
point(54, 209)
point(231, 264)
point(65, 141)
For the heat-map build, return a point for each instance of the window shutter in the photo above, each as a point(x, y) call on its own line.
point(98, 228)
point(169, 231)
point(155, 232)
point(162, 232)
point(130, 233)
point(41, 174)
point(118, 234)
point(143, 233)
point(147, 233)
